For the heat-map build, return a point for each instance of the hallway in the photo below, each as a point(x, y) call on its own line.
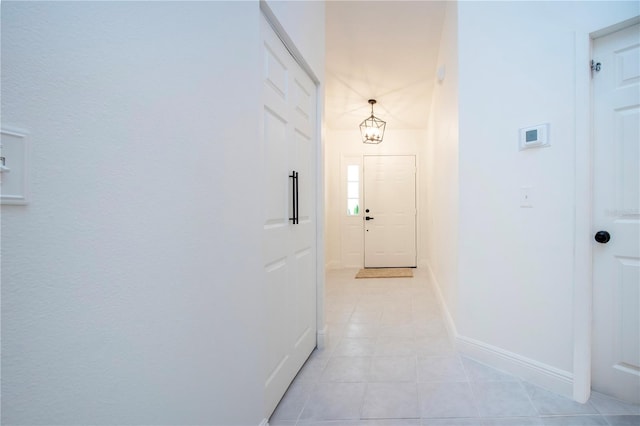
point(389, 362)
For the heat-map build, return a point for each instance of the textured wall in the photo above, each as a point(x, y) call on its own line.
point(440, 233)
point(131, 283)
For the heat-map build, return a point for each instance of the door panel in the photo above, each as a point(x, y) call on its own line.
point(390, 197)
point(275, 160)
point(289, 250)
point(616, 264)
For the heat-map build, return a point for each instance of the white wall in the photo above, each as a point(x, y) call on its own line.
point(516, 277)
point(348, 143)
point(132, 282)
point(440, 231)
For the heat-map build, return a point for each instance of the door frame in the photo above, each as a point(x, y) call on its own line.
point(277, 27)
point(342, 221)
point(583, 259)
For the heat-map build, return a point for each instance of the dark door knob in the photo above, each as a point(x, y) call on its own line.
point(366, 211)
point(368, 218)
point(602, 237)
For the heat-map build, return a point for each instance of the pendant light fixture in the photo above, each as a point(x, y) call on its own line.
point(372, 128)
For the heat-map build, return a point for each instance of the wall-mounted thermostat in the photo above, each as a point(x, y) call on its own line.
point(534, 137)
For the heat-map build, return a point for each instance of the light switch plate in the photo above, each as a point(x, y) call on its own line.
point(13, 173)
point(526, 197)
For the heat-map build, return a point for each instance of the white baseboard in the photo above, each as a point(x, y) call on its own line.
point(264, 422)
point(321, 337)
point(543, 375)
point(449, 323)
point(332, 264)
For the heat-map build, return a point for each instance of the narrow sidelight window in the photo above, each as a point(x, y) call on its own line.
point(353, 190)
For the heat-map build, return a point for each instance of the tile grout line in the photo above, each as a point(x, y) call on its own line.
point(526, 391)
point(363, 301)
point(473, 393)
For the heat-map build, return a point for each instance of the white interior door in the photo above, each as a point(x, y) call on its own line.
point(289, 252)
point(616, 263)
point(390, 206)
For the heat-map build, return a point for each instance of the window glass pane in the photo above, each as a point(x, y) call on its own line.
point(353, 173)
point(352, 190)
point(353, 207)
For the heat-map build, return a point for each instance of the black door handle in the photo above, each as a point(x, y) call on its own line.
point(602, 237)
point(368, 218)
point(295, 199)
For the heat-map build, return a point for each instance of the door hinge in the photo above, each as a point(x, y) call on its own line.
point(596, 66)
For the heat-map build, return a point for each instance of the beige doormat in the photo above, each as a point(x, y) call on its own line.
point(385, 273)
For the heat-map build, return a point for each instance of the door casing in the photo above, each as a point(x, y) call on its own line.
point(583, 259)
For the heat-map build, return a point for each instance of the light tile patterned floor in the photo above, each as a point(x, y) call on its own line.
point(390, 362)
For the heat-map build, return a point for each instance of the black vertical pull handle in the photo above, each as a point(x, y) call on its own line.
point(297, 200)
point(294, 197)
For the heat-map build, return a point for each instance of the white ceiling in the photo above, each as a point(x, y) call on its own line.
point(385, 50)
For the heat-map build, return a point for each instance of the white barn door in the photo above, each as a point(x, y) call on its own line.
point(289, 229)
point(616, 220)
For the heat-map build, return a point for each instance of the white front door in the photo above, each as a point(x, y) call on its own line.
point(289, 229)
point(616, 263)
point(390, 211)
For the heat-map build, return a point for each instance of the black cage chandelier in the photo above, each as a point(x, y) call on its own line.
point(372, 128)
